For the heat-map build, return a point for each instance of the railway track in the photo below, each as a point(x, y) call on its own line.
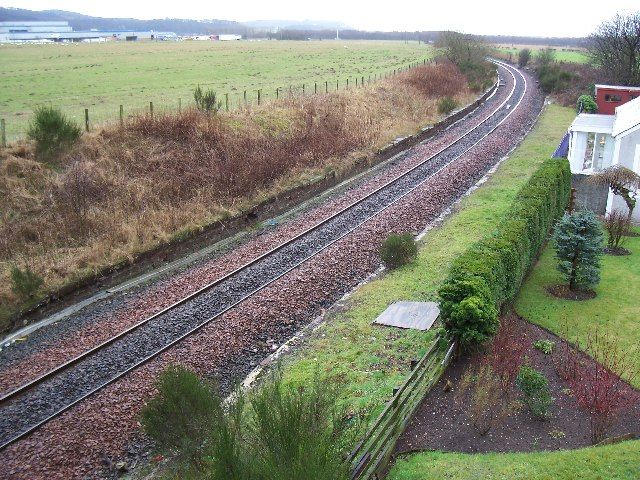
point(33, 404)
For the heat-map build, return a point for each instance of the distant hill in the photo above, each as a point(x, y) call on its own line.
point(295, 25)
point(85, 22)
point(277, 29)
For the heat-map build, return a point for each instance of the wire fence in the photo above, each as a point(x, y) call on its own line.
point(229, 101)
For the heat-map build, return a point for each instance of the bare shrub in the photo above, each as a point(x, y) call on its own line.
point(489, 385)
point(487, 404)
point(599, 386)
point(78, 190)
point(617, 225)
point(442, 80)
point(506, 353)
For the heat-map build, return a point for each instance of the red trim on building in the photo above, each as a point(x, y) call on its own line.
point(608, 97)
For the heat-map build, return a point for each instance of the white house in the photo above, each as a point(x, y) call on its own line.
point(599, 141)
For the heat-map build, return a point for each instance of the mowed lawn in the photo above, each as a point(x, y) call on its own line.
point(615, 311)
point(101, 77)
point(613, 462)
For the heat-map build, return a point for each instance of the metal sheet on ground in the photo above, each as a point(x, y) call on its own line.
point(416, 315)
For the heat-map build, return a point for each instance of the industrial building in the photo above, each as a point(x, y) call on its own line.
point(18, 31)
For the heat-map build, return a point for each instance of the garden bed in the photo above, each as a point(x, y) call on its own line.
point(442, 423)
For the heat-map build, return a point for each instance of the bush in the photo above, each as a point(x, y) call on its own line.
point(545, 346)
point(523, 57)
point(25, 284)
point(52, 132)
point(446, 105)
point(398, 250)
point(578, 243)
point(295, 431)
point(535, 387)
point(187, 417)
point(586, 104)
point(207, 100)
point(554, 79)
point(468, 311)
point(280, 432)
point(490, 272)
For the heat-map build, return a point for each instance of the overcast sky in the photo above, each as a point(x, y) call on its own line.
point(540, 17)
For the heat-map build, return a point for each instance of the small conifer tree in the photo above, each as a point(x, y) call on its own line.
point(578, 241)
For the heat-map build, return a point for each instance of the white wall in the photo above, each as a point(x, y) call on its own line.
point(629, 157)
point(577, 147)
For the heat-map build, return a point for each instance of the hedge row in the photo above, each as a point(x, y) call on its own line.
point(490, 272)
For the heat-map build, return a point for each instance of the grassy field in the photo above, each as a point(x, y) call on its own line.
point(613, 462)
point(562, 54)
point(101, 77)
point(369, 361)
point(614, 311)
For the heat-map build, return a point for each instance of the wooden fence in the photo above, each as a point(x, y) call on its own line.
point(372, 454)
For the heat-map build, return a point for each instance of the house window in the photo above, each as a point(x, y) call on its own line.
point(612, 98)
point(588, 153)
point(598, 151)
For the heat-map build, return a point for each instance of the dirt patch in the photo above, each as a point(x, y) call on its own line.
point(563, 291)
point(617, 251)
point(442, 423)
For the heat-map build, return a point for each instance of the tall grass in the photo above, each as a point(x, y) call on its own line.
point(123, 190)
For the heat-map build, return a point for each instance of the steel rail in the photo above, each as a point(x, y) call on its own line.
point(146, 359)
point(21, 389)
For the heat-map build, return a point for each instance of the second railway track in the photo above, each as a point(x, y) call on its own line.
point(35, 403)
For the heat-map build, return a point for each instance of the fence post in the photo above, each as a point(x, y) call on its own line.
point(86, 119)
point(326, 86)
point(337, 85)
point(362, 82)
point(277, 93)
point(151, 109)
point(356, 82)
point(3, 133)
point(303, 89)
point(347, 84)
point(259, 90)
point(245, 97)
point(121, 115)
point(315, 87)
point(226, 101)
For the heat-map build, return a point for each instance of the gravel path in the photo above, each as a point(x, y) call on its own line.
point(230, 346)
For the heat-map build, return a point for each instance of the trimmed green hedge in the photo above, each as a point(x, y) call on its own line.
point(490, 272)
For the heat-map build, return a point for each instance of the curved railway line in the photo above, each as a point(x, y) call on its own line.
point(26, 408)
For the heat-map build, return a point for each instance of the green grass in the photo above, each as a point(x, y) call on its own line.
point(612, 462)
point(615, 310)
point(101, 77)
point(368, 361)
point(562, 54)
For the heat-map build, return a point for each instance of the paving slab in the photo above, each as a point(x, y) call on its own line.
point(415, 315)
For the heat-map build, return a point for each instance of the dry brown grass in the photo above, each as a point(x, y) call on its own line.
point(126, 189)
